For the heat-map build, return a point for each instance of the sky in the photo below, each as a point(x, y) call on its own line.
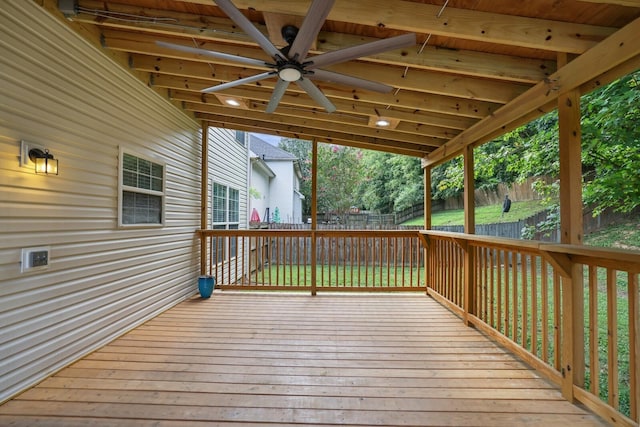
point(271, 139)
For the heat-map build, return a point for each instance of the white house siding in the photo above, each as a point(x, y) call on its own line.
point(60, 92)
point(260, 182)
point(284, 200)
point(228, 161)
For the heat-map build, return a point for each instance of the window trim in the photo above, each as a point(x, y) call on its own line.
point(227, 224)
point(122, 188)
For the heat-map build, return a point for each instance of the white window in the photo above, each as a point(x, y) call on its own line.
point(141, 191)
point(240, 137)
point(226, 216)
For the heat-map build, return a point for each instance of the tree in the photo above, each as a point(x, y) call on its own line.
point(338, 177)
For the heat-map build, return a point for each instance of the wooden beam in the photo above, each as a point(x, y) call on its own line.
point(459, 23)
point(426, 135)
point(212, 28)
point(414, 80)
point(615, 50)
point(630, 3)
point(313, 125)
point(418, 118)
point(295, 96)
point(322, 135)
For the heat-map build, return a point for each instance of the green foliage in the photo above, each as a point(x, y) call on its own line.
point(390, 182)
point(338, 177)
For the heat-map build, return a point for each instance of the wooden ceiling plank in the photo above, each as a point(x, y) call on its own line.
point(417, 117)
point(414, 80)
point(610, 54)
point(323, 134)
point(318, 125)
point(346, 123)
point(434, 103)
point(630, 3)
point(460, 23)
point(202, 27)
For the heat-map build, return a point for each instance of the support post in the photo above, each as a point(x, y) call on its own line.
point(428, 279)
point(571, 228)
point(314, 213)
point(204, 177)
point(469, 228)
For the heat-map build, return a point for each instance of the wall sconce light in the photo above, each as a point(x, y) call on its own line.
point(45, 162)
point(37, 157)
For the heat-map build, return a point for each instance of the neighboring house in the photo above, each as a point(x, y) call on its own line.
point(275, 182)
point(119, 221)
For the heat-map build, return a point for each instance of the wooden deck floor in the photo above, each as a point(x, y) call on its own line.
point(241, 359)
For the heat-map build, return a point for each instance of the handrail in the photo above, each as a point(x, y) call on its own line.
point(312, 260)
point(538, 299)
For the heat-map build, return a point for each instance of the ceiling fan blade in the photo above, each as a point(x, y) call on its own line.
point(359, 51)
point(343, 79)
point(246, 25)
point(276, 96)
point(219, 55)
point(239, 82)
point(316, 15)
point(316, 94)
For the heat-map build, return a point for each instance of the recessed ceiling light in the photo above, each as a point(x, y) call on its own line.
point(232, 101)
point(383, 122)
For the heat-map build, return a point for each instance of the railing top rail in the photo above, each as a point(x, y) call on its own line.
point(308, 232)
point(609, 254)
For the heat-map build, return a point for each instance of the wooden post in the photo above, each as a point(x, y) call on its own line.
point(204, 177)
point(428, 278)
point(314, 213)
point(469, 228)
point(571, 228)
point(427, 197)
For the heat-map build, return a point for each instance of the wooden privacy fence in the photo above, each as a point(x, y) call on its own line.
point(572, 312)
point(328, 260)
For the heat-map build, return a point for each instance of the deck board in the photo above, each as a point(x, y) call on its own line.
point(292, 359)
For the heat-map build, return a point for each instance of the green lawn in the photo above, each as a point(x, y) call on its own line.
point(484, 214)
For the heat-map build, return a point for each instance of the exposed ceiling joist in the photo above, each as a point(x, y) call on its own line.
point(477, 68)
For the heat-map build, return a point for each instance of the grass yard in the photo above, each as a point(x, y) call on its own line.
point(485, 214)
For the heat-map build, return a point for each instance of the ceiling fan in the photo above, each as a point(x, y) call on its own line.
point(291, 64)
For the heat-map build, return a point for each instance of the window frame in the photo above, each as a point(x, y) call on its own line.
point(122, 188)
point(231, 220)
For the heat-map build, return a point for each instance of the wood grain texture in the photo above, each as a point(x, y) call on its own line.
point(291, 359)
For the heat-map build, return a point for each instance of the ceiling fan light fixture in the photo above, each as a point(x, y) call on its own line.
point(290, 73)
point(382, 123)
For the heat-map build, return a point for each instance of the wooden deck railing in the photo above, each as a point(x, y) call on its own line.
point(328, 260)
point(572, 312)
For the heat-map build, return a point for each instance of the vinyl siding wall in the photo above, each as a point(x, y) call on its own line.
point(59, 92)
point(229, 163)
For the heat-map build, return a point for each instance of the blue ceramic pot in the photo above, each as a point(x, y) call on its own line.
point(206, 285)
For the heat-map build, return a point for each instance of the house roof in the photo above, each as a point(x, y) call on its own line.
point(478, 69)
point(266, 151)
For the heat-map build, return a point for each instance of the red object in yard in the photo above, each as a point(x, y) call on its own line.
point(254, 216)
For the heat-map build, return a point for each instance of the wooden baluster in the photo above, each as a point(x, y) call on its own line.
point(634, 345)
point(544, 291)
point(594, 359)
point(612, 341)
